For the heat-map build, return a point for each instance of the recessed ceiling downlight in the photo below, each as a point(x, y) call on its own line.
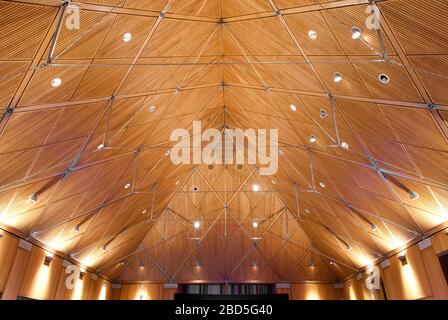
point(384, 78)
point(356, 33)
point(337, 77)
point(312, 35)
point(56, 82)
point(127, 37)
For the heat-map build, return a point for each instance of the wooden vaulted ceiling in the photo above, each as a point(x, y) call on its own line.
point(128, 212)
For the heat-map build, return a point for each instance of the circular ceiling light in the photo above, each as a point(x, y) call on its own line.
point(293, 107)
point(337, 77)
point(345, 145)
point(56, 82)
point(322, 184)
point(384, 78)
point(323, 113)
point(356, 33)
point(256, 187)
point(255, 224)
point(196, 225)
point(127, 37)
point(312, 35)
point(152, 109)
point(313, 138)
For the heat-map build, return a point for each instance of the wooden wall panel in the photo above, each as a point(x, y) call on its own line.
point(15, 277)
point(40, 281)
point(421, 278)
point(142, 292)
point(311, 291)
point(23, 273)
point(8, 248)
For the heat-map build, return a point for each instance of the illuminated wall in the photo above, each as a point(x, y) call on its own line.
point(420, 277)
point(24, 273)
point(314, 291)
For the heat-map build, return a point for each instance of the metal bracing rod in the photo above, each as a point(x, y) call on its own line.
point(296, 187)
point(134, 178)
point(83, 214)
point(95, 215)
point(362, 217)
point(370, 214)
point(344, 240)
point(109, 118)
point(55, 37)
point(120, 259)
point(310, 160)
point(334, 118)
point(380, 36)
point(332, 259)
point(112, 237)
point(153, 202)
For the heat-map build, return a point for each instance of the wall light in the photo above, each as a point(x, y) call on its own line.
point(34, 197)
point(81, 275)
point(48, 260)
point(403, 259)
point(413, 195)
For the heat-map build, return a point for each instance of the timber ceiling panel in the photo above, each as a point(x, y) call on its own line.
point(86, 162)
